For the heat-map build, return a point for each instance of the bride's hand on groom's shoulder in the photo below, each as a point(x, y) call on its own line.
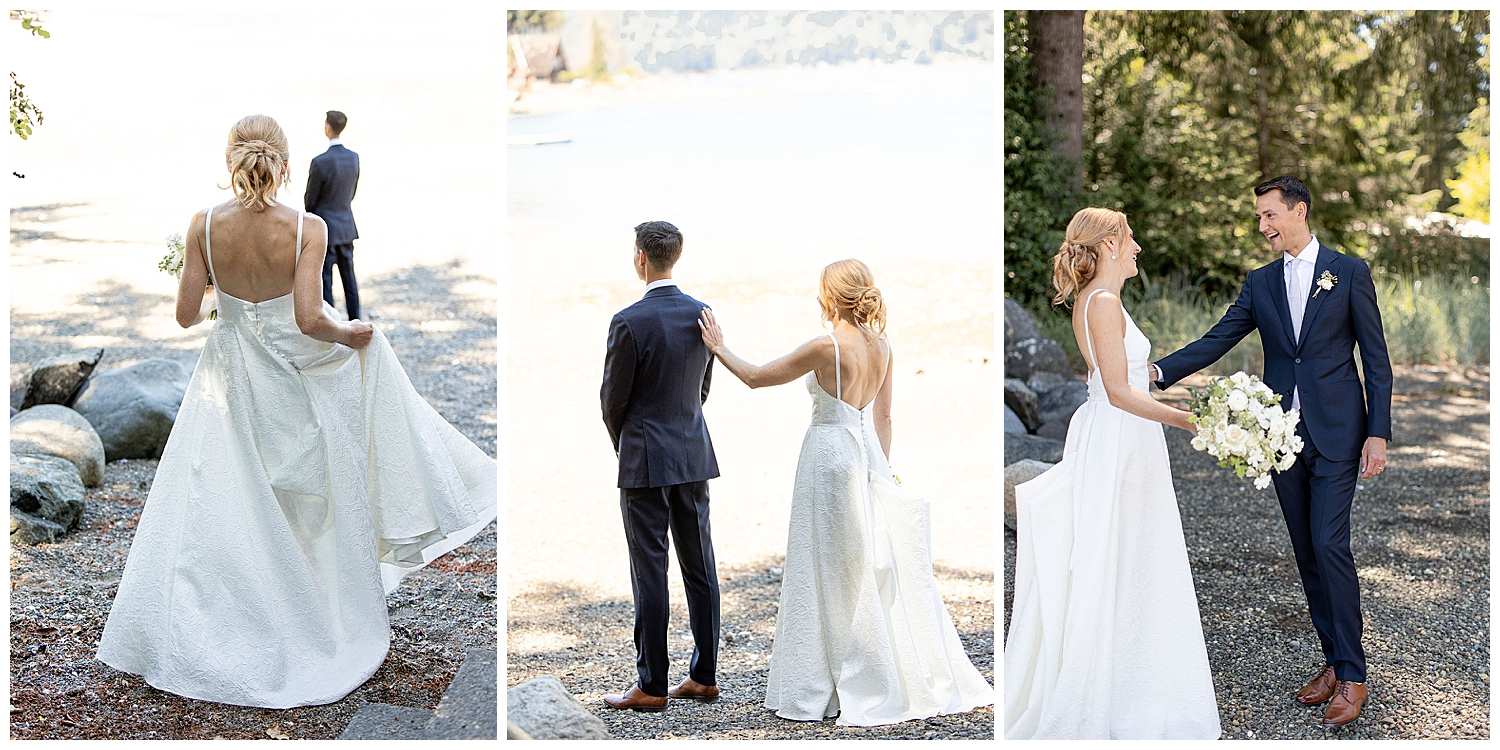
point(713, 336)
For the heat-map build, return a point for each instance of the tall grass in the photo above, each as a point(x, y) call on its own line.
point(1427, 319)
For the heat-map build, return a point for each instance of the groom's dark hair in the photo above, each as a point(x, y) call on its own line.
point(661, 242)
point(336, 121)
point(1292, 191)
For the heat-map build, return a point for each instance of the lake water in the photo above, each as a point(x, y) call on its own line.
point(877, 160)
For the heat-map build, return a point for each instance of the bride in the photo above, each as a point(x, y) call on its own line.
point(861, 632)
point(1105, 641)
point(303, 478)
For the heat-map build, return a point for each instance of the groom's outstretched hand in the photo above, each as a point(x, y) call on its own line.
point(1372, 458)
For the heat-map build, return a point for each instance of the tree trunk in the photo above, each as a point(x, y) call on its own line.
point(1056, 41)
point(1262, 121)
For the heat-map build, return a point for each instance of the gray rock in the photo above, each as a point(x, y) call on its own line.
point(132, 408)
point(467, 709)
point(1057, 429)
point(382, 721)
point(1023, 402)
point(1041, 382)
point(59, 379)
point(1019, 473)
point(1030, 356)
point(54, 430)
point(1013, 423)
point(1019, 325)
point(1062, 401)
point(19, 379)
point(1023, 447)
point(46, 498)
point(543, 709)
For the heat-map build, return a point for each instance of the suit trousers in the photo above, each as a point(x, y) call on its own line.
point(649, 512)
point(1316, 495)
point(343, 255)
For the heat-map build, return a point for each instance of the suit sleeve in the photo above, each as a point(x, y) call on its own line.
point(1237, 323)
point(1370, 334)
point(619, 378)
point(314, 187)
point(708, 376)
point(355, 191)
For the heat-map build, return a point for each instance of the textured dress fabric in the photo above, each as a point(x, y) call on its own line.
point(301, 481)
point(862, 631)
point(1105, 640)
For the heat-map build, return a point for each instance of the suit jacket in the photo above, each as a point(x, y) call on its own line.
point(331, 182)
point(656, 376)
point(1339, 414)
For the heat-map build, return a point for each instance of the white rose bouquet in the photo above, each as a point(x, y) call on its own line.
point(1240, 422)
point(173, 260)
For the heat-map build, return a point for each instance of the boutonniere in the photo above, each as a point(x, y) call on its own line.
point(1325, 283)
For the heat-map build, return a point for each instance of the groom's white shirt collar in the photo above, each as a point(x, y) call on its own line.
point(335, 141)
point(659, 283)
point(1309, 253)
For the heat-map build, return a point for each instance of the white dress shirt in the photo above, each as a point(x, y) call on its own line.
point(659, 283)
point(1299, 280)
point(335, 141)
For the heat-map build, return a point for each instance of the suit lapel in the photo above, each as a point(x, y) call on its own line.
point(1314, 304)
point(1276, 279)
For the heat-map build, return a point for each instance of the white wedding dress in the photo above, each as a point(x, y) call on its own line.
point(1105, 640)
point(301, 481)
point(862, 631)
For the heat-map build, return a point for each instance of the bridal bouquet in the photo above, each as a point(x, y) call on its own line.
point(173, 260)
point(1240, 423)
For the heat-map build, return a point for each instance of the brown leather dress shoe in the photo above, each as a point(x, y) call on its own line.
point(636, 700)
point(1319, 690)
point(690, 689)
point(1347, 700)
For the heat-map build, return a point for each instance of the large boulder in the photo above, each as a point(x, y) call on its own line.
point(54, 430)
point(133, 408)
point(1031, 356)
point(46, 498)
point(1060, 402)
point(1013, 423)
point(1023, 402)
point(20, 378)
point(1043, 381)
point(1019, 325)
point(1057, 429)
point(1023, 447)
point(59, 379)
point(543, 709)
point(1018, 473)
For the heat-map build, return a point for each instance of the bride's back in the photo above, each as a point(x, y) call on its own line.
point(254, 252)
point(862, 360)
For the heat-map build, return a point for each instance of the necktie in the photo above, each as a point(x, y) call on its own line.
point(1296, 299)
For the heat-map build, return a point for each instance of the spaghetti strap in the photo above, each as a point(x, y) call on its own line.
point(300, 215)
point(838, 377)
point(1087, 335)
point(208, 246)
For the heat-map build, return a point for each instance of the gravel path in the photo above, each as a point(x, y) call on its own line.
point(1421, 543)
point(593, 655)
point(61, 593)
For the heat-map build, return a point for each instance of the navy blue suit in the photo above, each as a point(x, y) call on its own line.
point(1338, 414)
point(656, 378)
point(332, 180)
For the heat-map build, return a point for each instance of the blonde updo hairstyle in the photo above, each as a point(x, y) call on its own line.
point(848, 286)
point(257, 157)
point(1077, 259)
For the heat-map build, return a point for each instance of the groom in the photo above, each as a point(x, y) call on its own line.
point(332, 179)
point(1311, 306)
point(656, 376)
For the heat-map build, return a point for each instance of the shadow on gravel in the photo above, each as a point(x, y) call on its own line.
point(585, 640)
point(39, 214)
